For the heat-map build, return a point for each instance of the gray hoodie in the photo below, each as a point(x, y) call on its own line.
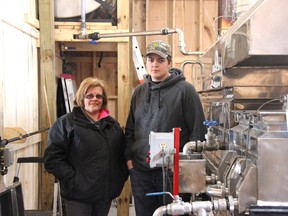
point(160, 107)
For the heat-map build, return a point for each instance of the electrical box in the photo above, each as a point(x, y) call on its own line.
point(161, 149)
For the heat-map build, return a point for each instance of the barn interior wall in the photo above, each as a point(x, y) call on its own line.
point(19, 92)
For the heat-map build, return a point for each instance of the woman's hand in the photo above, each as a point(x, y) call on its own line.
point(129, 164)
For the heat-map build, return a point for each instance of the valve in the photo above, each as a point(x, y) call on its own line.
point(210, 137)
point(210, 123)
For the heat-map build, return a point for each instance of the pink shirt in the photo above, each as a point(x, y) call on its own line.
point(103, 113)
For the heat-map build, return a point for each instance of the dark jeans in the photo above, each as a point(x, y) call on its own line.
point(143, 183)
point(75, 208)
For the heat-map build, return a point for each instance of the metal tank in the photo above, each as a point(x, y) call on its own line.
point(244, 88)
point(247, 66)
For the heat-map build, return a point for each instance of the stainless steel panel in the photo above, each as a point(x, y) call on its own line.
point(213, 160)
point(192, 176)
point(247, 192)
point(259, 92)
point(249, 76)
point(272, 167)
point(259, 33)
point(257, 39)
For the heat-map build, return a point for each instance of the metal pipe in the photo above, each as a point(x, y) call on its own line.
point(160, 211)
point(202, 212)
point(164, 31)
point(216, 191)
point(5, 141)
point(83, 17)
point(206, 205)
point(189, 147)
point(98, 36)
point(194, 74)
point(181, 44)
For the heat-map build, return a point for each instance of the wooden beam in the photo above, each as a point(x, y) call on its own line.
point(124, 96)
point(23, 27)
point(79, 59)
point(1, 85)
point(124, 82)
point(31, 21)
point(1, 82)
point(138, 23)
point(47, 82)
point(124, 91)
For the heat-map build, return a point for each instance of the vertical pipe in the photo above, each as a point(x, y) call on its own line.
point(176, 161)
point(83, 17)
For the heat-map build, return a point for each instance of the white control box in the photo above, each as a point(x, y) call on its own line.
point(161, 149)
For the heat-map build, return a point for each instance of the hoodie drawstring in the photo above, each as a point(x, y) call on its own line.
point(159, 99)
point(149, 93)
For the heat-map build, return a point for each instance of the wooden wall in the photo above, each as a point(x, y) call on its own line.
point(97, 64)
point(19, 91)
point(194, 17)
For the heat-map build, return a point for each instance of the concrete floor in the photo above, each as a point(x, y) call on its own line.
point(113, 210)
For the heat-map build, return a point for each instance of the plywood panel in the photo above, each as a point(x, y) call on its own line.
point(20, 101)
point(104, 68)
point(1, 79)
point(159, 16)
point(209, 28)
point(187, 13)
point(193, 17)
point(108, 73)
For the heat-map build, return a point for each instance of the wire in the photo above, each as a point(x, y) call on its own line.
point(168, 182)
point(267, 102)
point(164, 182)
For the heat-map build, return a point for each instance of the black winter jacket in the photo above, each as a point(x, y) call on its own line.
point(160, 107)
point(86, 158)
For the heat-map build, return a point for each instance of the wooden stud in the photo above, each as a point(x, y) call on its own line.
point(47, 81)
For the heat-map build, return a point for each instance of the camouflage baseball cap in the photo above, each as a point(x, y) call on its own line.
point(160, 48)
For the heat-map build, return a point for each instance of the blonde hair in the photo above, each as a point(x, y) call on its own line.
point(85, 85)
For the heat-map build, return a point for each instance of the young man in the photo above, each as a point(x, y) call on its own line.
point(163, 102)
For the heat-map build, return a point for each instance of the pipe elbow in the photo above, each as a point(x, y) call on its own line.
point(160, 211)
point(191, 145)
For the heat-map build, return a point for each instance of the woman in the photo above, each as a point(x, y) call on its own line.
point(85, 153)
